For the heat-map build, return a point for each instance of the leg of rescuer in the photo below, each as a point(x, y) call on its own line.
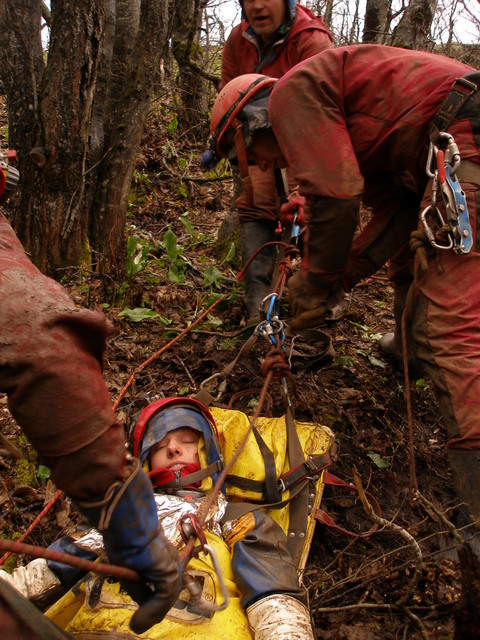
point(51, 356)
point(446, 316)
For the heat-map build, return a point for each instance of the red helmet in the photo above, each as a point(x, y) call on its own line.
point(165, 415)
point(230, 101)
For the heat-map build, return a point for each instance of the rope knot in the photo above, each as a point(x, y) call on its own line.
point(275, 362)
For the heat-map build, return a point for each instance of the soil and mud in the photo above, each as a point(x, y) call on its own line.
point(360, 588)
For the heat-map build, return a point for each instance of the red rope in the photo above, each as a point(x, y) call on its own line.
point(66, 558)
point(41, 515)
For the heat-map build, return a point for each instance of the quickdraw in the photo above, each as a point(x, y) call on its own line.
point(442, 165)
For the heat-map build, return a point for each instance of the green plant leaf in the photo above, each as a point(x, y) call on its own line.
point(43, 473)
point(173, 126)
point(170, 244)
point(375, 361)
point(212, 277)
point(231, 253)
point(378, 461)
point(138, 314)
point(213, 322)
point(345, 361)
point(176, 275)
point(188, 226)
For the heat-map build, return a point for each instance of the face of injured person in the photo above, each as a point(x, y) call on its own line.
point(175, 450)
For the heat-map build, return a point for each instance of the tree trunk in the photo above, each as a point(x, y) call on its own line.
point(86, 108)
point(140, 34)
point(187, 53)
point(376, 16)
point(50, 108)
point(413, 30)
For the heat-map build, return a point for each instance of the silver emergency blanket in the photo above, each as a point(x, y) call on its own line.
point(169, 509)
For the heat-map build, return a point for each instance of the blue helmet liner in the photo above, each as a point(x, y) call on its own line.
point(176, 417)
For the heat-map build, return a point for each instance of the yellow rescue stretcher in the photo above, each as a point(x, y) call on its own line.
point(297, 454)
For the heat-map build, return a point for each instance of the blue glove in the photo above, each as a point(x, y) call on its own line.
point(66, 573)
point(127, 517)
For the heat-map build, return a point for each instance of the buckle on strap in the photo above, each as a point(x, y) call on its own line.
point(461, 89)
point(310, 467)
point(468, 84)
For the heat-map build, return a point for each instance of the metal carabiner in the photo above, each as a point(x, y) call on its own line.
point(452, 155)
point(271, 299)
point(222, 387)
point(270, 329)
point(195, 589)
point(190, 530)
point(447, 162)
point(428, 231)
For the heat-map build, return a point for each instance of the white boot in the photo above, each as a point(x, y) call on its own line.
point(280, 617)
point(35, 581)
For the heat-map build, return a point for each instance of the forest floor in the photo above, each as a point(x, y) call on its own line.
point(356, 585)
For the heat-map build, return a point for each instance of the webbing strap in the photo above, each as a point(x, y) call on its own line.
point(324, 518)
point(235, 510)
point(312, 466)
point(272, 493)
point(191, 478)
point(461, 90)
point(300, 505)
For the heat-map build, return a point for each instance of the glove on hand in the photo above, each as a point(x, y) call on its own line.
point(127, 517)
point(308, 304)
point(295, 204)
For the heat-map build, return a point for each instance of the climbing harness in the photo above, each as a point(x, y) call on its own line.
point(442, 164)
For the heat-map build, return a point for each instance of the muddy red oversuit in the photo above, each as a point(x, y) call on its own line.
point(244, 52)
point(353, 124)
point(51, 369)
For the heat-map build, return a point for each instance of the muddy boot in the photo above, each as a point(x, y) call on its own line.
point(391, 343)
point(466, 478)
point(280, 617)
point(258, 277)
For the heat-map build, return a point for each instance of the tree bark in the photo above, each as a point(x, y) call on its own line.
point(50, 108)
point(186, 20)
point(413, 30)
point(86, 109)
point(376, 17)
point(140, 34)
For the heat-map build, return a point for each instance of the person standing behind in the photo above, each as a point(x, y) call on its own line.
point(273, 37)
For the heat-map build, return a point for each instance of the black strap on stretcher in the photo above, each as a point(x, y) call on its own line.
point(192, 478)
point(312, 466)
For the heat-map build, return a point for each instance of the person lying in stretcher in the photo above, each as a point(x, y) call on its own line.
point(176, 441)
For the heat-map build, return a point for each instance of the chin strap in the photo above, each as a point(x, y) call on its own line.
point(242, 161)
point(190, 476)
